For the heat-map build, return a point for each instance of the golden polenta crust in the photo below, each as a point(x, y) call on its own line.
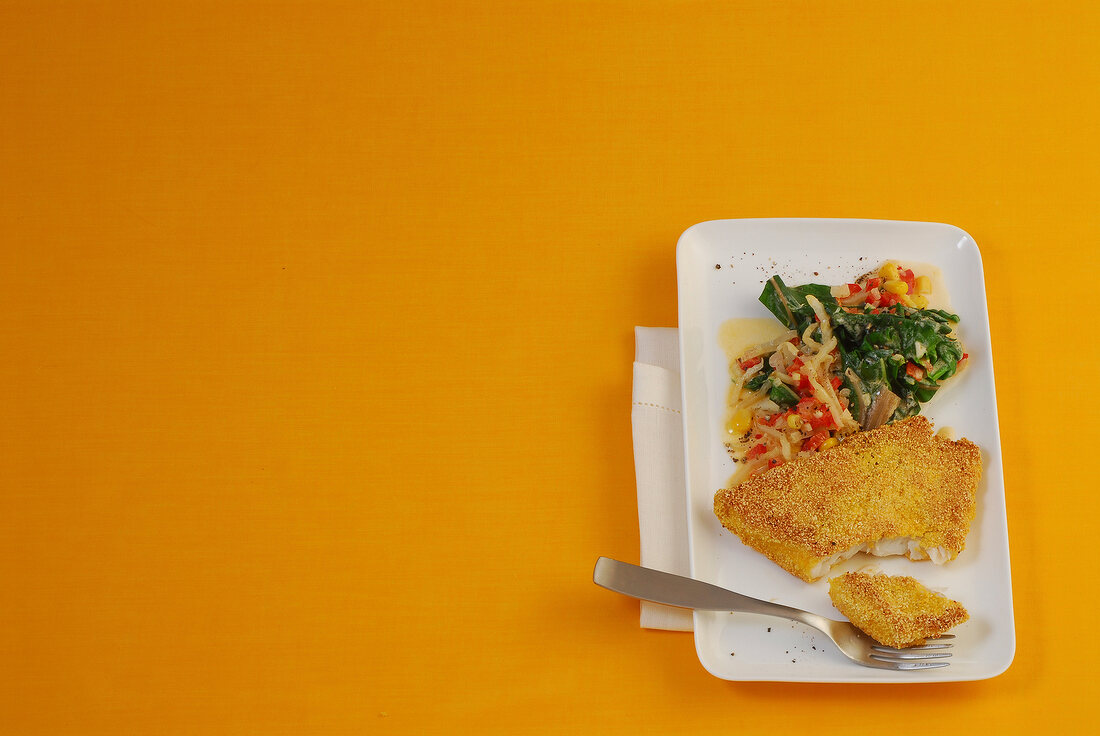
point(899, 480)
point(894, 611)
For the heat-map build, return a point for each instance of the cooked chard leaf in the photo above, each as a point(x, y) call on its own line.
point(755, 382)
point(908, 407)
point(849, 327)
point(758, 378)
point(940, 315)
point(941, 369)
point(789, 303)
point(782, 394)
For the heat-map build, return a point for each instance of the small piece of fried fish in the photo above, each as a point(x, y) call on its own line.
point(895, 490)
point(894, 611)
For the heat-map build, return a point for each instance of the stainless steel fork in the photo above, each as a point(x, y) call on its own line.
point(675, 590)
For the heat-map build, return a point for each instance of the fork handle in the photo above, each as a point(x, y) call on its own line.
point(676, 590)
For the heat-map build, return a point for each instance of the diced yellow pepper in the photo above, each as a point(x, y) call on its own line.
point(905, 299)
point(924, 285)
point(829, 443)
point(920, 301)
point(739, 422)
point(896, 287)
point(889, 271)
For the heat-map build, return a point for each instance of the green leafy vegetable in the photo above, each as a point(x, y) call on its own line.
point(908, 351)
point(755, 382)
point(782, 394)
point(789, 304)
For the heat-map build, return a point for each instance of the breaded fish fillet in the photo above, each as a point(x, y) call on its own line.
point(895, 611)
point(894, 490)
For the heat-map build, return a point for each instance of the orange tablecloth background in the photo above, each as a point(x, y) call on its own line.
point(316, 332)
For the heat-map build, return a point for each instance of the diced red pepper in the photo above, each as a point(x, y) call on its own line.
point(914, 371)
point(756, 451)
point(746, 364)
point(835, 382)
point(795, 369)
point(874, 283)
point(796, 341)
point(815, 441)
point(804, 386)
point(873, 296)
point(815, 413)
point(773, 462)
point(965, 356)
point(824, 421)
point(888, 299)
point(853, 289)
point(906, 275)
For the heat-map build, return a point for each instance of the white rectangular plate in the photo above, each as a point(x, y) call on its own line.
point(721, 269)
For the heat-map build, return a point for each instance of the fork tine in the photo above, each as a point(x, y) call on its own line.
point(904, 656)
point(920, 665)
point(925, 647)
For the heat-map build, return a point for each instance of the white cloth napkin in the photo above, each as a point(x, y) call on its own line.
point(659, 466)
